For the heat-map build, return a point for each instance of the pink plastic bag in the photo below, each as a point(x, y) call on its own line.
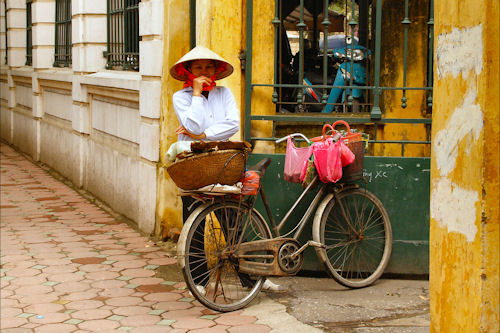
point(328, 161)
point(295, 161)
point(346, 154)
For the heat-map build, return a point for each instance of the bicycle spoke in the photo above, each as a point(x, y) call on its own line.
point(376, 223)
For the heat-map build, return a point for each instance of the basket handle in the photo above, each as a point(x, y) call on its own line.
point(343, 123)
point(229, 160)
point(324, 131)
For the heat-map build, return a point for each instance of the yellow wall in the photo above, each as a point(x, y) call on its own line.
point(464, 234)
point(176, 44)
point(391, 75)
point(262, 71)
point(219, 27)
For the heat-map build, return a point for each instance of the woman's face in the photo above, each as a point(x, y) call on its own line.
point(203, 67)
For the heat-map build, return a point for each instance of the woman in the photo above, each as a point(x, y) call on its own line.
point(205, 112)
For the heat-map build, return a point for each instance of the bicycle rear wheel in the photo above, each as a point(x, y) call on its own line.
point(356, 231)
point(210, 266)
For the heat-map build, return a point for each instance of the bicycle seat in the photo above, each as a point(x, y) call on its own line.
point(261, 166)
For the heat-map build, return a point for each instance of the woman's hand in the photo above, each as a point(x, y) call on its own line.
point(182, 130)
point(198, 84)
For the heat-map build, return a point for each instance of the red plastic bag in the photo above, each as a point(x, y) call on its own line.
point(295, 161)
point(346, 155)
point(251, 183)
point(328, 161)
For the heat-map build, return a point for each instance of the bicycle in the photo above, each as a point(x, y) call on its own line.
point(226, 249)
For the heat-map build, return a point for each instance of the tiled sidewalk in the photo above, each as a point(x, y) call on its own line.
point(69, 266)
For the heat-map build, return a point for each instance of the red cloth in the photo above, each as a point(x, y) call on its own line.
point(251, 183)
point(183, 72)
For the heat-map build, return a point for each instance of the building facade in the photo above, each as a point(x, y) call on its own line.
point(74, 97)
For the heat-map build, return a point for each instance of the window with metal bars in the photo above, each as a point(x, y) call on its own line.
point(123, 35)
point(62, 52)
point(29, 43)
point(317, 41)
point(6, 33)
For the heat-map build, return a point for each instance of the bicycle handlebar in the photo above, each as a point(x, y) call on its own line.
point(292, 135)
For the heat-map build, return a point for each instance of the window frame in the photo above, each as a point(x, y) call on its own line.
point(29, 34)
point(6, 34)
point(122, 35)
point(63, 39)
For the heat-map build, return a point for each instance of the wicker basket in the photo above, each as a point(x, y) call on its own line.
point(223, 166)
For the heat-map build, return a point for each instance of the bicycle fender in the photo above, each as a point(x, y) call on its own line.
point(181, 243)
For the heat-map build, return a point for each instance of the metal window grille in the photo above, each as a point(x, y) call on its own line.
point(29, 43)
point(292, 66)
point(62, 52)
point(123, 34)
point(6, 33)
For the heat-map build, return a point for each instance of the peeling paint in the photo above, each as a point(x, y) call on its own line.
point(460, 51)
point(454, 207)
point(466, 120)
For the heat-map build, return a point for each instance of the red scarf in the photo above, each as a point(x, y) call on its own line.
point(183, 72)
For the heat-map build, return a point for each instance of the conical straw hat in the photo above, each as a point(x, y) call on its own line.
point(197, 53)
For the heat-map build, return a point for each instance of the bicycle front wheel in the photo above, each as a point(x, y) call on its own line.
point(356, 231)
point(210, 265)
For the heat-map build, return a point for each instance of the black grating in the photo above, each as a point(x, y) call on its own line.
point(123, 35)
point(29, 43)
point(62, 52)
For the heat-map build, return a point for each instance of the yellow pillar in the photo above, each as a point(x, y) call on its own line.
point(176, 44)
point(262, 71)
point(464, 233)
point(221, 27)
point(218, 27)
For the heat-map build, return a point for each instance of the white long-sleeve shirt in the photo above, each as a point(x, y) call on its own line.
point(217, 117)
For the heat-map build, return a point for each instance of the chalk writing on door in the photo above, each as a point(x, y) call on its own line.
point(372, 175)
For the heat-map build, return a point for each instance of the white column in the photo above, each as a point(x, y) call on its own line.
point(88, 35)
point(3, 33)
point(16, 33)
point(150, 67)
point(42, 18)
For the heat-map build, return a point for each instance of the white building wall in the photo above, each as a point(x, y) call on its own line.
point(3, 33)
point(22, 131)
point(97, 127)
point(16, 34)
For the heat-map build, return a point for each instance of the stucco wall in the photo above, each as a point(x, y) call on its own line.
point(464, 226)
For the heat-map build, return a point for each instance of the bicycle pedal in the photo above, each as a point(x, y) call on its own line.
point(316, 244)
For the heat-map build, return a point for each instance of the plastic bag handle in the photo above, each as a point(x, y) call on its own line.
point(340, 122)
point(291, 136)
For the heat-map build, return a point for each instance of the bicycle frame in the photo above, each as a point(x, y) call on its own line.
point(310, 210)
point(302, 223)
